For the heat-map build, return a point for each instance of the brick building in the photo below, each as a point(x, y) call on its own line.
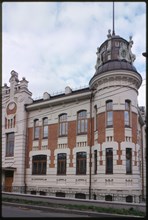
point(88, 143)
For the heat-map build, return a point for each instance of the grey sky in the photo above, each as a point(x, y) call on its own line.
point(54, 44)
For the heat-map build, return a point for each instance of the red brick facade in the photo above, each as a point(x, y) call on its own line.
point(52, 141)
point(101, 127)
point(134, 127)
point(119, 128)
point(71, 138)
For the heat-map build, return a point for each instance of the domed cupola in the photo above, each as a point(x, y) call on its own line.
point(114, 54)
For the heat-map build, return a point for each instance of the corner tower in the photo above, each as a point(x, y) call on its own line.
point(115, 87)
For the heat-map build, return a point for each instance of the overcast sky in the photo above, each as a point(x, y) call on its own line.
point(54, 44)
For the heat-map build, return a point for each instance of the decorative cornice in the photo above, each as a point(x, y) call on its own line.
point(120, 78)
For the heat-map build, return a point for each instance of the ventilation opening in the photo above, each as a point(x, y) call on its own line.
point(80, 196)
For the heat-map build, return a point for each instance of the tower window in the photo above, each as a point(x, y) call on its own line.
point(109, 160)
point(128, 161)
point(109, 113)
point(127, 113)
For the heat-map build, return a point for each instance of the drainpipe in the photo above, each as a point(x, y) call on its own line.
point(142, 161)
point(90, 149)
point(26, 150)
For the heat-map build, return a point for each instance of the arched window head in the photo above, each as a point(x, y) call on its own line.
point(45, 127)
point(39, 164)
point(36, 129)
point(81, 163)
point(63, 124)
point(82, 122)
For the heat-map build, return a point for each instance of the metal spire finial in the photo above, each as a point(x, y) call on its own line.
point(113, 33)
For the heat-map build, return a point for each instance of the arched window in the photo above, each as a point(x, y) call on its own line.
point(81, 163)
point(10, 144)
point(61, 164)
point(45, 127)
point(82, 122)
point(127, 113)
point(39, 164)
point(36, 129)
point(109, 113)
point(63, 125)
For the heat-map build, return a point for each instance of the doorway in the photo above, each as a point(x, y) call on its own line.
point(8, 180)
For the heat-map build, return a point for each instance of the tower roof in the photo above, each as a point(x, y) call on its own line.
point(115, 65)
point(115, 54)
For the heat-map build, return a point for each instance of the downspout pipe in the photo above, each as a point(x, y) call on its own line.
point(26, 149)
point(90, 149)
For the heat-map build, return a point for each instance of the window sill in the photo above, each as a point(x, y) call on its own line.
point(127, 126)
point(84, 133)
point(64, 135)
point(109, 126)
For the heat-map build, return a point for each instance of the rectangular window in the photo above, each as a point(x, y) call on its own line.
point(127, 113)
point(81, 163)
point(10, 145)
point(61, 164)
point(109, 161)
point(109, 118)
point(95, 161)
point(128, 161)
point(63, 125)
point(109, 113)
point(45, 127)
point(82, 122)
point(39, 163)
point(36, 129)
point(126, 118)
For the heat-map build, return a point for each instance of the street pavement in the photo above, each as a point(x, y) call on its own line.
point(24, 210)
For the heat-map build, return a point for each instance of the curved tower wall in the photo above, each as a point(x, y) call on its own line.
point(116, 80)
